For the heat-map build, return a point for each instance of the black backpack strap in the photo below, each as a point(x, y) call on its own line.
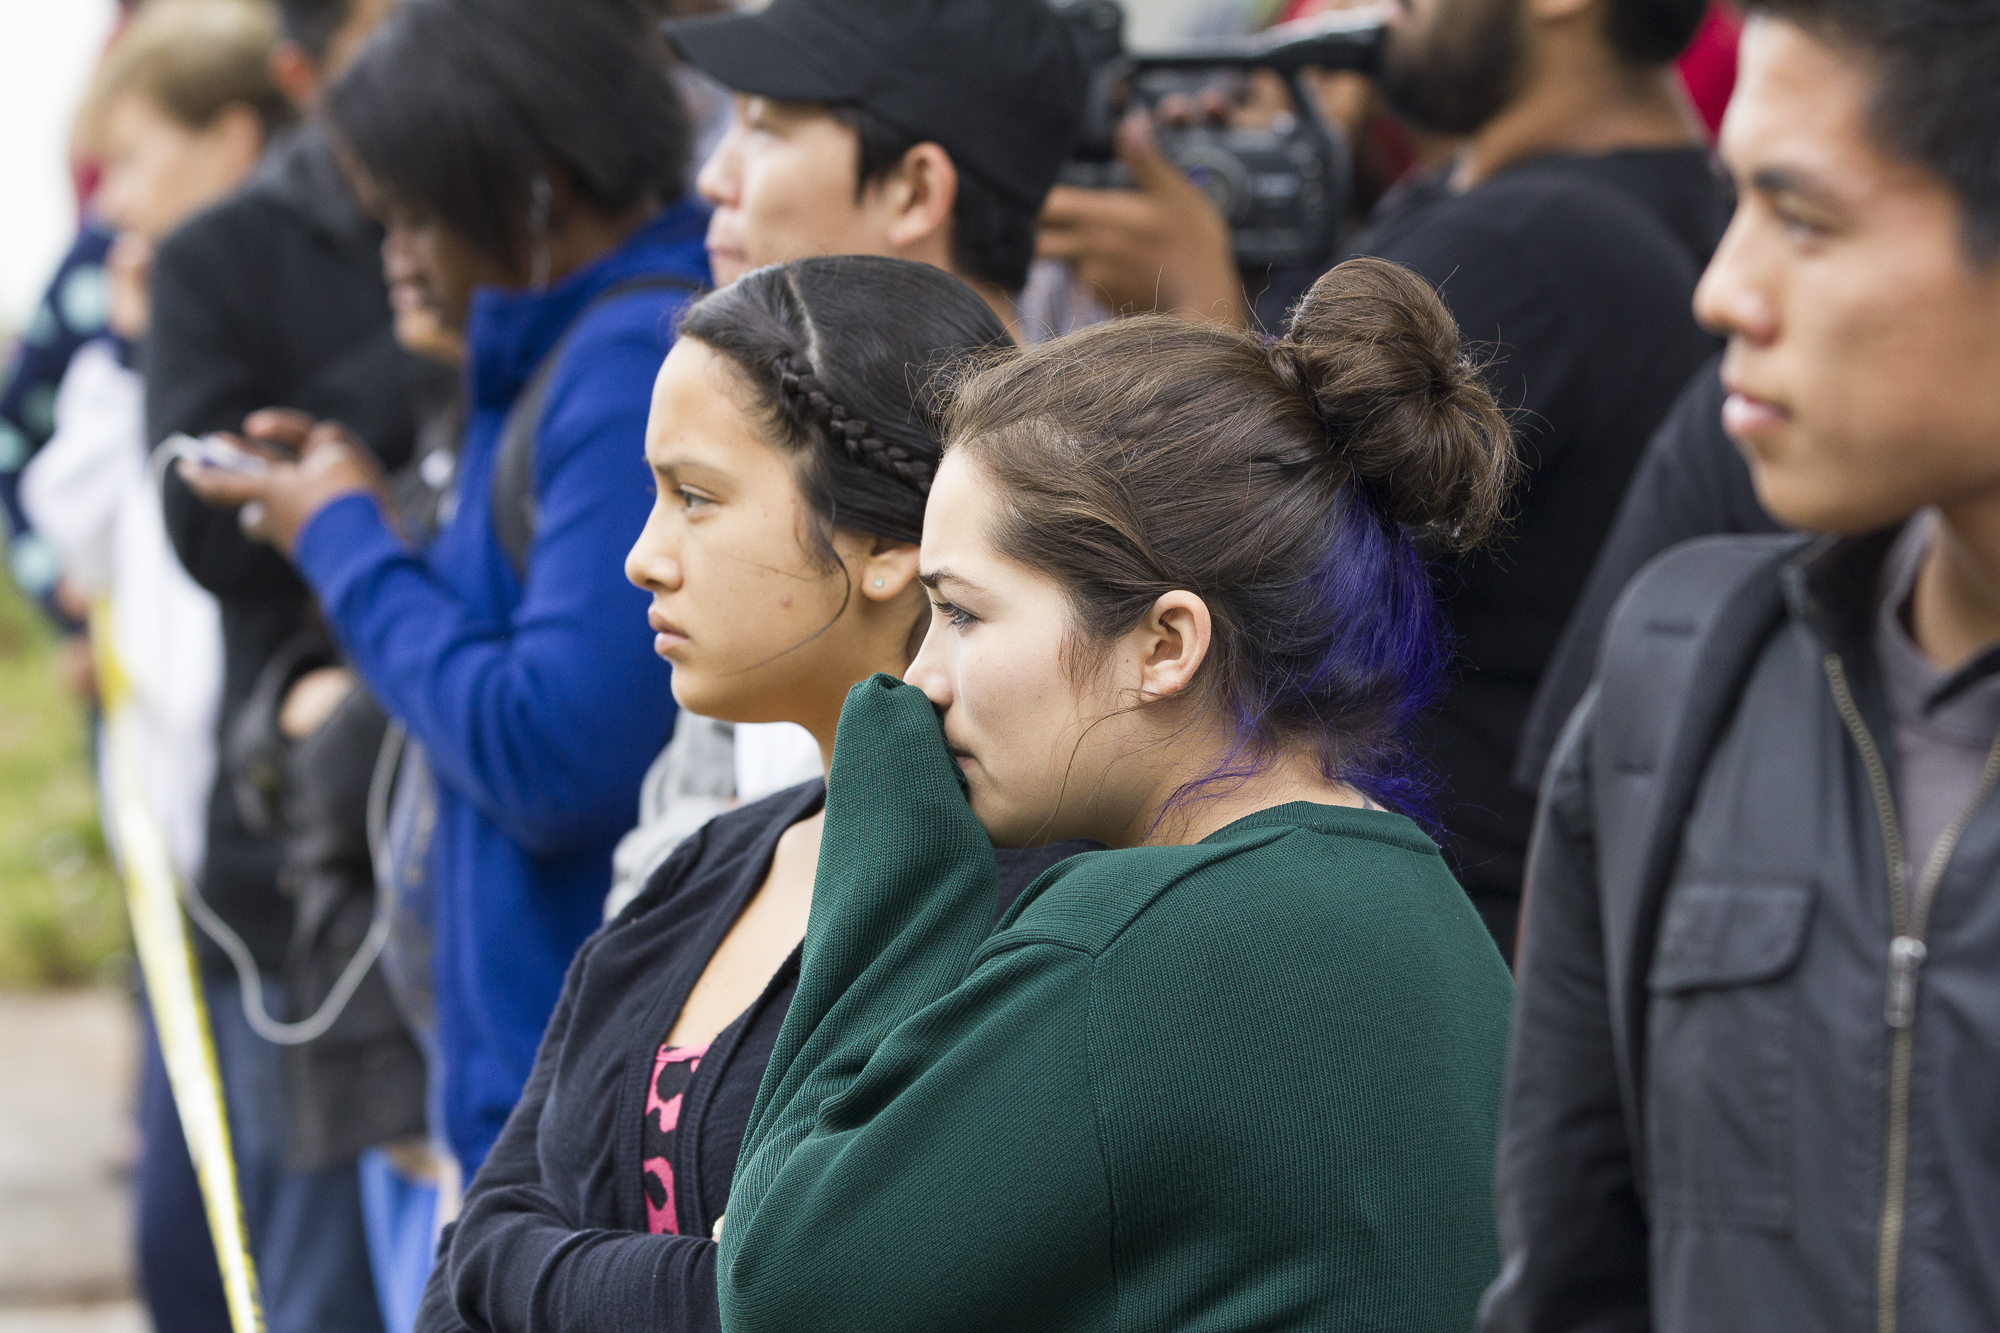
point(254, 745)
point(515, 513)
point(1679, 645)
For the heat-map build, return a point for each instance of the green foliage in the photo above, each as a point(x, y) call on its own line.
point(62, 910)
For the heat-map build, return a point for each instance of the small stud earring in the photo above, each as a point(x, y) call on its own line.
point(878, 583)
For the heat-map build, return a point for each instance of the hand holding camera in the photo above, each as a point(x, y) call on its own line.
point(1169, 191)
point(1159, 245)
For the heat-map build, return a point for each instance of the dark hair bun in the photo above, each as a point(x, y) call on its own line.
point(1379, 356)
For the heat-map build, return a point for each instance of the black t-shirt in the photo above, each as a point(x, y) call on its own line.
point(1680, 187)
point(567, 1171)
point(1693, 482)
point(1573, 276)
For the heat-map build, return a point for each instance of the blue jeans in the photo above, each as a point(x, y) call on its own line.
point(305, 1226)
point(400, 1215)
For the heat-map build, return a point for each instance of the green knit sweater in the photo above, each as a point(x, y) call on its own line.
point(1251, 1083)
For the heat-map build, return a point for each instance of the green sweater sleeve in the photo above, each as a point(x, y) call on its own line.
point(909, 1111)
point(902, 897)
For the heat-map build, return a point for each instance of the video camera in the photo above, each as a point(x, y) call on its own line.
point(1283, 187)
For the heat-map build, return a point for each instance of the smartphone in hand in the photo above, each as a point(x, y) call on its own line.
point(213, 451)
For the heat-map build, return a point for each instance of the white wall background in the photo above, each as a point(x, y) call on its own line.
point(47, 49)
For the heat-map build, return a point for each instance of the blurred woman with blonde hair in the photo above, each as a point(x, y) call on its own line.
point(178, 115)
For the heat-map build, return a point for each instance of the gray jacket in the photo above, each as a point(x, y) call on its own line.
point(1720, 1113)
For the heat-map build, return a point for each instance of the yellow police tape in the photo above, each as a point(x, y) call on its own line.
point(173, 988)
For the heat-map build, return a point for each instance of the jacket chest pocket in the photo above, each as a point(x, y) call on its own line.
point(1719, 1054)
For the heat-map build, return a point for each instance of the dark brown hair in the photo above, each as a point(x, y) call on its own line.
point(458, 108)
point(992, 237)
point(1936, 100)
point(1281, 483)
point(842, 354)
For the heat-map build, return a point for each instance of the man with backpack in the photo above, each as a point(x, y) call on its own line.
point(1755, 1065)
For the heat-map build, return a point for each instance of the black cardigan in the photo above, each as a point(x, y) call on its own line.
point(553, 1231)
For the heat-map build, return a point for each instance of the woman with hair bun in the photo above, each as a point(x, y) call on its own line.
point(1240, 1070)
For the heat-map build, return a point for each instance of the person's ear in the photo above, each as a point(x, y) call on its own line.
point(922, 191)
point(888, 570)
point(1171, 643)
point(295, 72)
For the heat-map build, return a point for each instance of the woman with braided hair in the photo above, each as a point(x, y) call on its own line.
point(794, 434)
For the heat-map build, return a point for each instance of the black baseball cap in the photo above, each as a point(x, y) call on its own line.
point(995, 83)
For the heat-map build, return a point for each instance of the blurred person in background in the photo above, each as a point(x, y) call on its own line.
point(1754, 1062)
point(1691, 480)
point(1143, 248)
point(176, 116)
point(408, 1184)
point(71, 313)
point(275, 296)
point(1387, 148)
point(1566, 237)
point(527, 160)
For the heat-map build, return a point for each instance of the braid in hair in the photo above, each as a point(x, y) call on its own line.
point(801, 385)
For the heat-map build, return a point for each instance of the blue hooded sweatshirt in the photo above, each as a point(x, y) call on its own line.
point(540, 706)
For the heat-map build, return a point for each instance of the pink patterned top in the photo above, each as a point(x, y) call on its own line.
point(673, 1069)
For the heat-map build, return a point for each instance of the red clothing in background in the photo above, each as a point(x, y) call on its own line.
point(1708, 66)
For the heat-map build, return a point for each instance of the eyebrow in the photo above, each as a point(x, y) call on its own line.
point(937, 576)
point(679, 462)
point(1790, 180)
